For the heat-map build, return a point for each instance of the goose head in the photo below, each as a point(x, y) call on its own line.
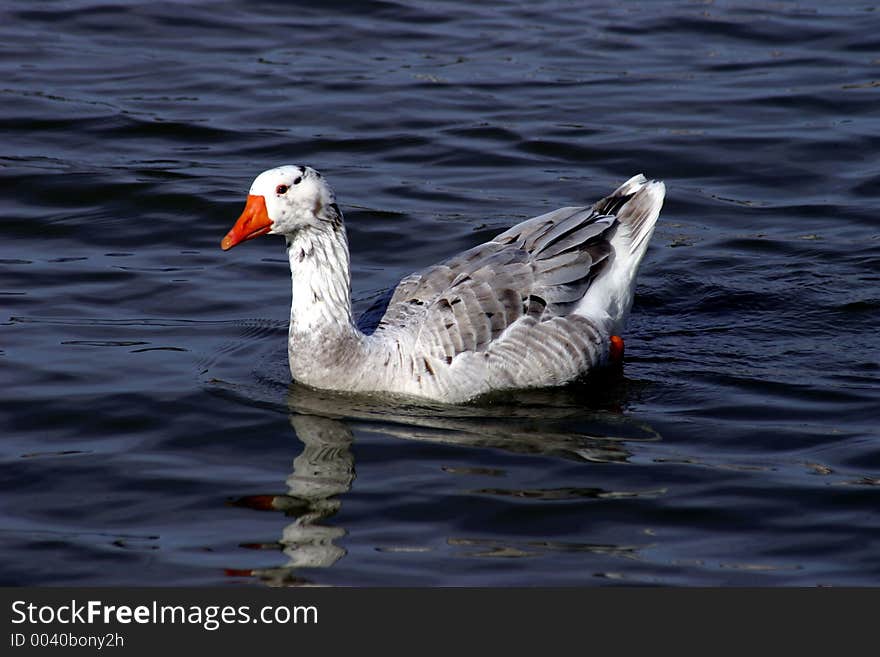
point(283, 201)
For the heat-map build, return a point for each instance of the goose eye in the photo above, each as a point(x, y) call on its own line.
point(281, 189)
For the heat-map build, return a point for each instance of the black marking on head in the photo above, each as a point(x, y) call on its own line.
point(455, 301)
point(301, 169)
point(449, 360)
point(329, 213)
point(297, 180)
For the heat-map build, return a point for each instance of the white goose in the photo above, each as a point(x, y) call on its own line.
point(539, 305)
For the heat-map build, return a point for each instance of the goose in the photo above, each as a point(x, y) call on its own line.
point(539, 305)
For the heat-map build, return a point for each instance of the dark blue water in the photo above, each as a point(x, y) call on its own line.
point(150, 434)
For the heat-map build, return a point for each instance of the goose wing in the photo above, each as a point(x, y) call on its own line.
point(538, 269)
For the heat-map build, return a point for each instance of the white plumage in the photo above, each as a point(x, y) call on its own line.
point(535, 306)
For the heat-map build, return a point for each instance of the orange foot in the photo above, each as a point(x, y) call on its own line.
point(615, 351)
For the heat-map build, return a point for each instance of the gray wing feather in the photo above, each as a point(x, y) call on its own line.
point(535, 270)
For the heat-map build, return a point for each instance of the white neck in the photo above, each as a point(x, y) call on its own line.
point(321, 283)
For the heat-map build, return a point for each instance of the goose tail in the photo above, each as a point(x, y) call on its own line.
point(636, 205)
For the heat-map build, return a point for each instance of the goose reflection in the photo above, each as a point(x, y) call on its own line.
point(321, 473)
point(547, 423)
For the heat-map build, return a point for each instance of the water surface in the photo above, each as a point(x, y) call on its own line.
point(150, 434)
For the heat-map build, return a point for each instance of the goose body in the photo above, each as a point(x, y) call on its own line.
point(538, 305)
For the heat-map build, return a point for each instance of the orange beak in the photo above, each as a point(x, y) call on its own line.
point(253, 222)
